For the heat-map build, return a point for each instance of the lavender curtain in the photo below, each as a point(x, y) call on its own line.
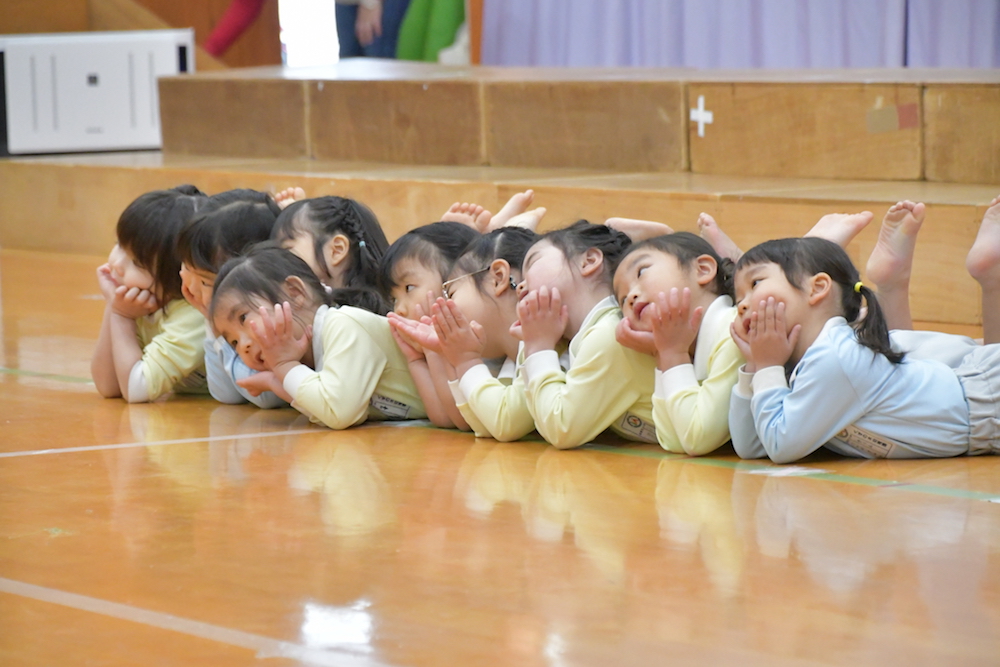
point(953, 33)
point(741, 33)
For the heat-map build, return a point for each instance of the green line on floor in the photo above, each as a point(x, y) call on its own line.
point(766, 468)
point(47, 376)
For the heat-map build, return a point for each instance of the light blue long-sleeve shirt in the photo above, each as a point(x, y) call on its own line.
point(224, 367)
point(846, 398)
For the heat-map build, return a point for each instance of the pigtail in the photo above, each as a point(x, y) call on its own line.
point(872, 330)
point(368, 243)
point(725, 276)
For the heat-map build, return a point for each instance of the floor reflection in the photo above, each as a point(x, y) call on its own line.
point(419, 546)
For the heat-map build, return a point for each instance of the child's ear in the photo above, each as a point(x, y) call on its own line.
point(500, 275)
point(705, 268)
point(298, 293)
point(591, 262)
point(820, 286)
point(336, 250)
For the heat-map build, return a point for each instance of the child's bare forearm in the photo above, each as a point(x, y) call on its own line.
point(441, 372)
point(102, 364)
point(125, 350)
point(421, 375)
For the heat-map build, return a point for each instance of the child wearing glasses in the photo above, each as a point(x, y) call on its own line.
point(470, 329)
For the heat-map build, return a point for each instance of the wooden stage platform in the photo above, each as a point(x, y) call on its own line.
point(85, 194)
point(782, 149)
point(191, 533)
point(938, 125)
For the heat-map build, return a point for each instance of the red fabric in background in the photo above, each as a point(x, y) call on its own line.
point(237, 18)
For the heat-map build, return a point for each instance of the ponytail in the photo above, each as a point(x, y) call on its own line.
point(803, 257)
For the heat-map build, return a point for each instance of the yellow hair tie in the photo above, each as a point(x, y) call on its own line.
point(857, 286)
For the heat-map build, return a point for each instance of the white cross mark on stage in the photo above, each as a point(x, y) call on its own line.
point(701, 116)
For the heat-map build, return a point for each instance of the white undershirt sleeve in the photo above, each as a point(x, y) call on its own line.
point(138, 389)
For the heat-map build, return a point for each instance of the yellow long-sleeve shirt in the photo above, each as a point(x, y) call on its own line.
point(173, 353)
point(691, 401)
point(361, 373)
point(495, 407)
point(606, 386)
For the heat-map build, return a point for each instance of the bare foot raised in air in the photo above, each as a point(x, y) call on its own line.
point(527, 220)
point(841, 228)
point(639, 230)
point(473, 215)
point(891, 261)
point(892, 258)
point(516, 205)
point(983, 263)
point(709, 230)
point(289, 196)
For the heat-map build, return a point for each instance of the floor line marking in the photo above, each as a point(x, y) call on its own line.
point(747, 466)
point(738, 466)
point(265, 647)
point(47, 376)
point(157, 443)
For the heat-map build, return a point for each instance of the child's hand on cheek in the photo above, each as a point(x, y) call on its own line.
point(742, 340)
point(275, 335)
point(106, 283)
point(771, 344)
point(191, 299)
point(543, 320)
point(462, 341)
point(675, 327)
point(634, 339)
point(133, 303)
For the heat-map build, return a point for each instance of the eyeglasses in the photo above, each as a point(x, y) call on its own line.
point(448, 283)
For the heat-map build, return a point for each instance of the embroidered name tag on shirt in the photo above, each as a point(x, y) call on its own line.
point(867, 442)
point(637, 427)
point(389, 407)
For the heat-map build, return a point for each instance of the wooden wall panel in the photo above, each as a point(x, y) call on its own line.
point(792, 130)
point(30, 16)
point(233, 117)
point(129, 15)
point(405, 122)
point(962, 133)
point(614, 125)
point(259, 45)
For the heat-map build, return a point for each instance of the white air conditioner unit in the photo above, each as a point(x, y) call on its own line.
point(92, 91)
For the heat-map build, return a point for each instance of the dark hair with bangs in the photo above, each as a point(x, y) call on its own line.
point(687, 248)
point(435, 246)
point(507, 243)
point(800, 258)
point(148, 230)
point(325, 217)
point(581, 236)
point(262, 273)
point(226, 227)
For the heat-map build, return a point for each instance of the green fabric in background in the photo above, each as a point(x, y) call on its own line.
point(429, 26)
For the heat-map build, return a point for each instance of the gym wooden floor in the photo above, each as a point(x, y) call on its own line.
point(191, 533)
